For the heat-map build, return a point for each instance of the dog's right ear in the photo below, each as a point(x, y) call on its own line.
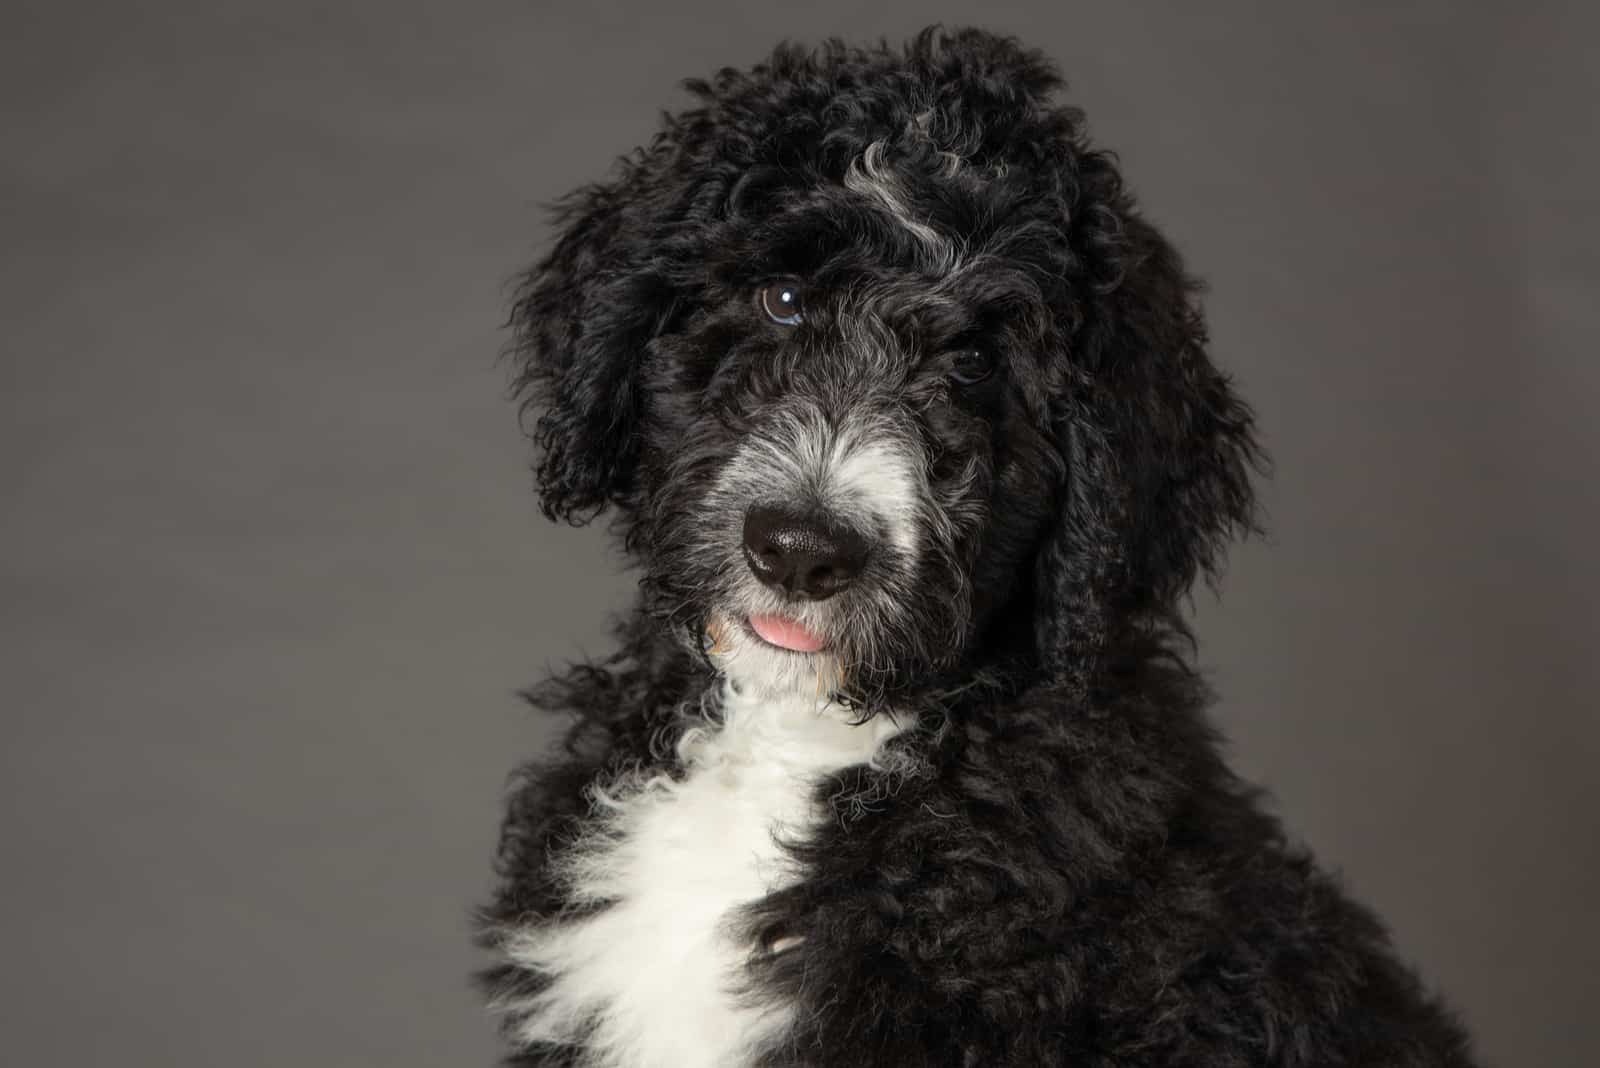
point(583, 318)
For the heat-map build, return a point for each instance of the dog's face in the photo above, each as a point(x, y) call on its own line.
point(848, 453)
point(884, 374)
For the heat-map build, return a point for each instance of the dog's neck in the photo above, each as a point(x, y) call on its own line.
point(650, 979)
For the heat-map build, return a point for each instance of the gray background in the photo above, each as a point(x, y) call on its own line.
point(271, 569)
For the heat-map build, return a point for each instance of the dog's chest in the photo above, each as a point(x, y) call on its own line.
point(652, 978)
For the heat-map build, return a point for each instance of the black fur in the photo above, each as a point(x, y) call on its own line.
point(1074, 878)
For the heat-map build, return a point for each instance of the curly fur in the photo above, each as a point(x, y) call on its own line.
point(1054, 867)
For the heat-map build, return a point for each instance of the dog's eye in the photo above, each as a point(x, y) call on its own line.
point(971, 366)
point(781, 300)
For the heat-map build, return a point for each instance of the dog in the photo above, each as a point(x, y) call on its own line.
point(906, 415)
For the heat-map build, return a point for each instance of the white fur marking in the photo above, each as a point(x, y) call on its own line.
point(654, 972)
point(881, 479)
point(869, 176)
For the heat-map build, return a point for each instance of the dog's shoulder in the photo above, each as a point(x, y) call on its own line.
point(1076, 874)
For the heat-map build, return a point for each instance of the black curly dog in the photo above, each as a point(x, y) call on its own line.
point(907, 418)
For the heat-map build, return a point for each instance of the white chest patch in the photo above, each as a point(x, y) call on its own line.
point(650, 981)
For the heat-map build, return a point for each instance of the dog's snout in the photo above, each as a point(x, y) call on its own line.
point(805, 555)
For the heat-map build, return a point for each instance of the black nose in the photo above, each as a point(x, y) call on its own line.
point(803, 554)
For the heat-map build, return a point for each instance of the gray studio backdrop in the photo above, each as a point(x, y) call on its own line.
point(271, 568)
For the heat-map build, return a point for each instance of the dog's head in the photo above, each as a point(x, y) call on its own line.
point(884, 374)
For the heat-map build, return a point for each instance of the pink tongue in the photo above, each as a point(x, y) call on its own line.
point(786, 634)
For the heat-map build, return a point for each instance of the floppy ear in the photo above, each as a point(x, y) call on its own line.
point(1158, 447)
point(583, 318)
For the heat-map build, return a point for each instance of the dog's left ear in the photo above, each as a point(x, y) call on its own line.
point(1158, 447)
point(584, 317)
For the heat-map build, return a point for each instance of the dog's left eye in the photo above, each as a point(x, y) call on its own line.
point(971, 366)
point(782, 302)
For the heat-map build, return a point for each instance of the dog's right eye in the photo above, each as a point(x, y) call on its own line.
point(781, 301)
